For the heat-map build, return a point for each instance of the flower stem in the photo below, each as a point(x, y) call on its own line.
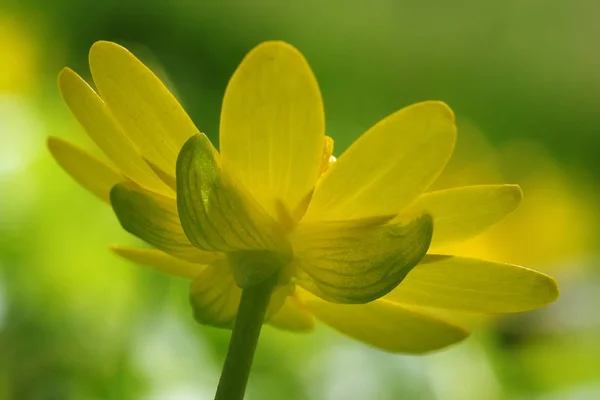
point(242, 345)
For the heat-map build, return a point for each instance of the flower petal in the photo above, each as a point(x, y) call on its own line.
point(292, 317)
point(96, 119)
point(475, 285)
point(150, 115)
point(358, 261)
point(215, 297)
point(388, 326)
point(461, 213)
point(87, 170)
point(273, 126)
point(162, 262)
point(217, 216)
point(385, 169)
point(153, 218)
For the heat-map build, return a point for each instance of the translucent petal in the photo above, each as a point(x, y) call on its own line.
point(96, 119)
point(87, 170)
point(475, 285)
point(150, 115)
point(215, 297)
point(357, 261)
point(217, 216)
point(388, 167)
point(162, 261)
point(388, 326)
point(273, 126)
point(293, 317)
point(461, 213)
point(153, 218)
point(167, 179)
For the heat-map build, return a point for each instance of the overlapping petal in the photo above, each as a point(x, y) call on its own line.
point(96, 119)
point(153, 218)
point(162, 261)
point(475, 285)
point(146, 110)
point(90, 172)
point(358, 261)
point(273, 125)
point(293, 317)
point(215, 296)
point(388, 166)
point(463, 212)
point(388, 326)
point(217, 216)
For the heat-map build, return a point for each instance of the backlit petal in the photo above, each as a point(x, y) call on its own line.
point(388, 167)
point(272, 126)
point(150, 115)
point(461, 213)
point(162, 262)
point(357, 261)
point(217, 216)
point(87, 170)
point(96, 119)
point(475, 285)
point(388, 326)
point(292, 317)
point(215, 297)
point(153, 218)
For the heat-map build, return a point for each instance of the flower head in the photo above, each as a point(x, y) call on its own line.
point(352, 241)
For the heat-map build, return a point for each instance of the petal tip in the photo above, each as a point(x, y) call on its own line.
point(101, 49)
point(442, 108)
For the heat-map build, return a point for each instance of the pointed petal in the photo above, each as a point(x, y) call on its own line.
point(357, 261)
point(388, 326)
point(475, 285)
point(216, 216)
point(292, 317)
point(464, 212)
point(153, 218)
point(87, 170)
point(167, 179)
point(161, 261)
point(215, 297)
point(388, 167)
point(150, 115)
point(96, 119)
point(273, 126)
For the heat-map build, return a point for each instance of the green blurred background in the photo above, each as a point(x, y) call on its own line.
point(523, 77)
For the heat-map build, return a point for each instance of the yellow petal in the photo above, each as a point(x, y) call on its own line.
point(272, 126)
point(167, 179)
point(388, 167)
point(153, 218)
point(216, 216)
point(215, 297)
point(357, 261)
point(162, 262)
point(96, 119)
point(388, 326)
point(475, 285)
point(461, 213)
point(292, 317)
point(87, 170)
point(150, 115)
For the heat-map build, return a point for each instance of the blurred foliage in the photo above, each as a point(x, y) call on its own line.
point(77, 322)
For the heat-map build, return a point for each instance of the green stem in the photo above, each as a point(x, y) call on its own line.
point(242, 345)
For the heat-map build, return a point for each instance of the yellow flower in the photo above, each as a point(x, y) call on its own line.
point(342, 236)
